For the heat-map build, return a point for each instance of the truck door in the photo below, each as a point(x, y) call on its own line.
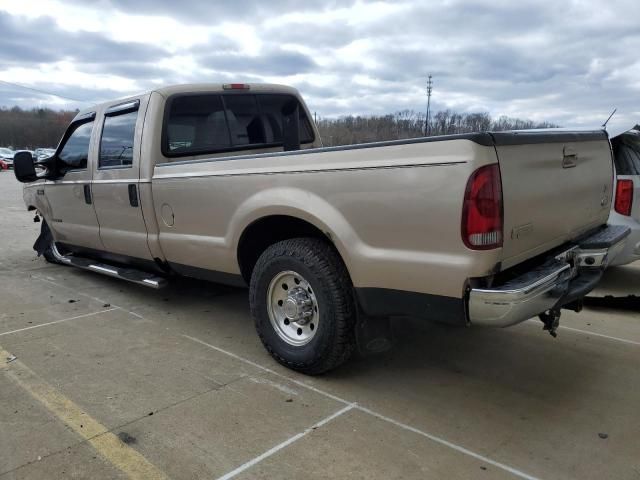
point(116, 182)
point(72, 216)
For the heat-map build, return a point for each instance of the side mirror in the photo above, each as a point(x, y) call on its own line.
point(291, 125)
point(24, 167)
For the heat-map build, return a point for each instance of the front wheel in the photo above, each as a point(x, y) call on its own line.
point(302, 303)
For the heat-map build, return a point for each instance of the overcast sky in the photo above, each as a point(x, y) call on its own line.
point(569, 62)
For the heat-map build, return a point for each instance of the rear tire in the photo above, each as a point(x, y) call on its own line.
point(302, 304)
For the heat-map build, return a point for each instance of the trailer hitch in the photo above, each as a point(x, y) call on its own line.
point(551, 320)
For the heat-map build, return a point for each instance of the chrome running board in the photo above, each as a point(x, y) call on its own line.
point(129, 274)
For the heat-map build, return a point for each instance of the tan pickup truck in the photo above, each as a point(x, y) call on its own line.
point(230, 183)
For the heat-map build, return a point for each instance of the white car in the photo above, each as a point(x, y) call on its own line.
point(42, 153)
point(626, 205)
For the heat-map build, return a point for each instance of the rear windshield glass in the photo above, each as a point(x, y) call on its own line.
point(626, 150)
point(196, 123)
point(211, 123)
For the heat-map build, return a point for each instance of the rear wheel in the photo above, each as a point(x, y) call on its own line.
point(302, 304)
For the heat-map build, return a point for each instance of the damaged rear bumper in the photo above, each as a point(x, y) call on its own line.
point(559, 281)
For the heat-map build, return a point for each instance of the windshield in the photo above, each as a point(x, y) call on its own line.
point(6, 151)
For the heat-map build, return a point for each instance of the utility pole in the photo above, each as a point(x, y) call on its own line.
point(427, 126)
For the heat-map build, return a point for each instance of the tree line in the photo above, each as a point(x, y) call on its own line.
point(410, 124)
point(43, 127)
point(29, 129)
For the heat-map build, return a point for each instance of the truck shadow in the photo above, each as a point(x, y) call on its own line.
point(609, 302)
point(619, 289)
point(456, 363)
point(521, 370)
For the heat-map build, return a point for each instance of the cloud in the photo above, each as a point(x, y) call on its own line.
point(210, 13)
point(268, 63)
point(25, 41)
point(569, 63)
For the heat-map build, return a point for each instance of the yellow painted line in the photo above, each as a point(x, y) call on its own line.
point(125, 458)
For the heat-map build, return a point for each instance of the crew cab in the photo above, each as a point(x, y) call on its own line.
point(230, 183)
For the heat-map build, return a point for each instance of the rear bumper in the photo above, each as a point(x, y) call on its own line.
point(560, 280)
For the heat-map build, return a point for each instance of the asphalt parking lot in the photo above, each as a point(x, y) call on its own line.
point(103, 379)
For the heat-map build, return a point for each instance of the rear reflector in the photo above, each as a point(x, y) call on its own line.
point(624, 197)
point(482, 222)
point(235, 86)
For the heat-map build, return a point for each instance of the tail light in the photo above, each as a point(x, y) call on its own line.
point(624, 197)
point(482, 222)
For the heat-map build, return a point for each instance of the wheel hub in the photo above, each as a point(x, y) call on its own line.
point(292, 308)
point(298, 307)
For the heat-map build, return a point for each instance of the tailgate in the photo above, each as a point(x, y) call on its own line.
point(556, 186)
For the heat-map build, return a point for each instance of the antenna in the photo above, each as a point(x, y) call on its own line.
point(429, 89)
point(604, 125)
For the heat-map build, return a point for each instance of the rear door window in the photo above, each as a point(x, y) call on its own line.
point(116, 144)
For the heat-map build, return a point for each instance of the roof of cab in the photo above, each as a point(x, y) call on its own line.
point(220, 87)
point(194, 88)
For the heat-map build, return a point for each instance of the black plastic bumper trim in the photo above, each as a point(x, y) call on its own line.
point(383, 302)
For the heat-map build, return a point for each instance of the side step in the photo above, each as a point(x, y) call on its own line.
point(128, 274)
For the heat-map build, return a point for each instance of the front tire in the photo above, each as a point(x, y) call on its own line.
point(302, 304)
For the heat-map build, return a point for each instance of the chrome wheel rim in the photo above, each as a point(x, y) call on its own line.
point(293, 308)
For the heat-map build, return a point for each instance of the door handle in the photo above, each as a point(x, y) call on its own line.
point(133, 195)
point(87, 194)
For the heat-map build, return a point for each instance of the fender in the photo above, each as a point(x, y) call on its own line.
point(300, 204)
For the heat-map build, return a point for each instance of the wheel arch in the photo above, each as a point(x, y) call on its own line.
point(269, 229)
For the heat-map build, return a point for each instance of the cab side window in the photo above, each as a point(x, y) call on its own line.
point(116, 144)
point(75, 152)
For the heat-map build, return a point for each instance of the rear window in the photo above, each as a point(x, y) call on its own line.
point(626, 151)
point(212, 123)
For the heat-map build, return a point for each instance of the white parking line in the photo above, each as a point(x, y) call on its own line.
point(268, 370)
point(533, 323)
point(284, 444)
point(354, 405)
point(449, 444)
point(52, 282)
point(587, 332)
point(56, 321)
